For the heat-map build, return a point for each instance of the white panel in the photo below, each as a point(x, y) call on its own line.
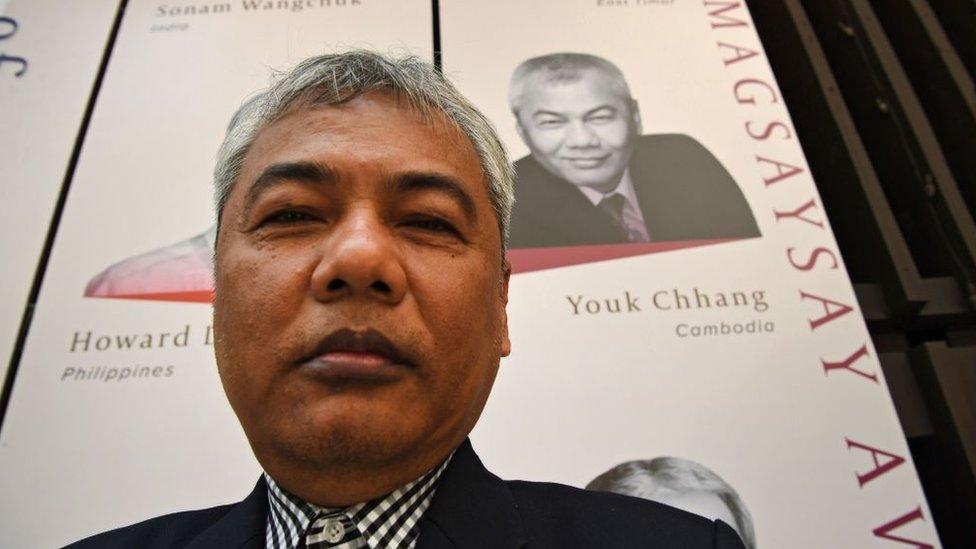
point(61, 43)
point(584, 392)
point(102, 438)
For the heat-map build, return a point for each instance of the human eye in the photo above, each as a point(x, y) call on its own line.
point(549, 123)
point(602, 116)
point(433, 225)
point(288, 216)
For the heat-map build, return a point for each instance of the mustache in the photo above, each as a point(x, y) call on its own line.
point(359, 341)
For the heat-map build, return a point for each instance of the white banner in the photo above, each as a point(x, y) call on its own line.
point(117, 414)
point(703, 317)
point(717, 325)
point(49, 56)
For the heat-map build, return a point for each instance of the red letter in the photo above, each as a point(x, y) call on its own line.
point(719, 13)
point(879, 468)
point(752, 100)
point(798, 213)
point(740, 53)
point(883, 530)
point(812, 261)
point(768, 131)
point(846, 364)
point(829, 315)
point(781, 174)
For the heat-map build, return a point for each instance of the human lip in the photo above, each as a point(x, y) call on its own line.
point(349, 356)
point(586, 162)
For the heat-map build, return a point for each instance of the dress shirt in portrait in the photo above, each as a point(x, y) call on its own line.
point(632, 216)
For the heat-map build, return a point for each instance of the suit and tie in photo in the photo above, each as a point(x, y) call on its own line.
point(592, 178)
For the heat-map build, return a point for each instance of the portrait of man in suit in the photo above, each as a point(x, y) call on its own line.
point(360, 317)
point(591, 177)
point(681, 483)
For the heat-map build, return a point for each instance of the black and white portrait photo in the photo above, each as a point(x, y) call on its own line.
point(680, 483)
point(593, 177)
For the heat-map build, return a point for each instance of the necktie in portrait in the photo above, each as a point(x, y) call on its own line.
point(613, 205)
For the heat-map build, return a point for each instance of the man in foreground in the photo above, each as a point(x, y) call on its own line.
point(359, 312)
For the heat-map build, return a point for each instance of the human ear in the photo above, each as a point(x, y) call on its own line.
point(503, 339)
point(520, 129)
point(636, 118)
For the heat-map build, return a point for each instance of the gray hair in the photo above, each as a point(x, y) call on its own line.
point(561, 68)
point(652, 478)
point(336, 78)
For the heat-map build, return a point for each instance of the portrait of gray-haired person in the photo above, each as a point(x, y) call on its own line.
point(592, 178)
point(361, 286)
point(681, 483)
point(182, 271)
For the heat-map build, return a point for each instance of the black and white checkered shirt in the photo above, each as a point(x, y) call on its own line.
point(388, 522)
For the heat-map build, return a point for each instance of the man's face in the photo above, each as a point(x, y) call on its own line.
point(581, 131)
point(360, 292)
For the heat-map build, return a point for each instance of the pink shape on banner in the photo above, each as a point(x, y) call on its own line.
point(526, 260)
point(193, 296)
point(523, 260)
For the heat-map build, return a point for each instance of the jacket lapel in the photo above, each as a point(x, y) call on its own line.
point(550, 211)
point(243, 525)
point(472, 508)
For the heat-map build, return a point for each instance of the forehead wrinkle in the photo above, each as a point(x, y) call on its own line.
point(595, 78)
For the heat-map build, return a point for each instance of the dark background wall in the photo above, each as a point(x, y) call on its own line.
point(882, 96)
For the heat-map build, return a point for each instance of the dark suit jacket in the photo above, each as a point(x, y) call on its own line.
point(472, 508)
point(684, 193)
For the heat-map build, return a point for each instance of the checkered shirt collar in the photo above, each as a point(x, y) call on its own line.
point(391, 521)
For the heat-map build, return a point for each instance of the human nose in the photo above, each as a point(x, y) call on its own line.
point(359, 260)
point(579, 135)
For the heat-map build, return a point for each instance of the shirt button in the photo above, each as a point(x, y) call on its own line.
point(334, 531)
